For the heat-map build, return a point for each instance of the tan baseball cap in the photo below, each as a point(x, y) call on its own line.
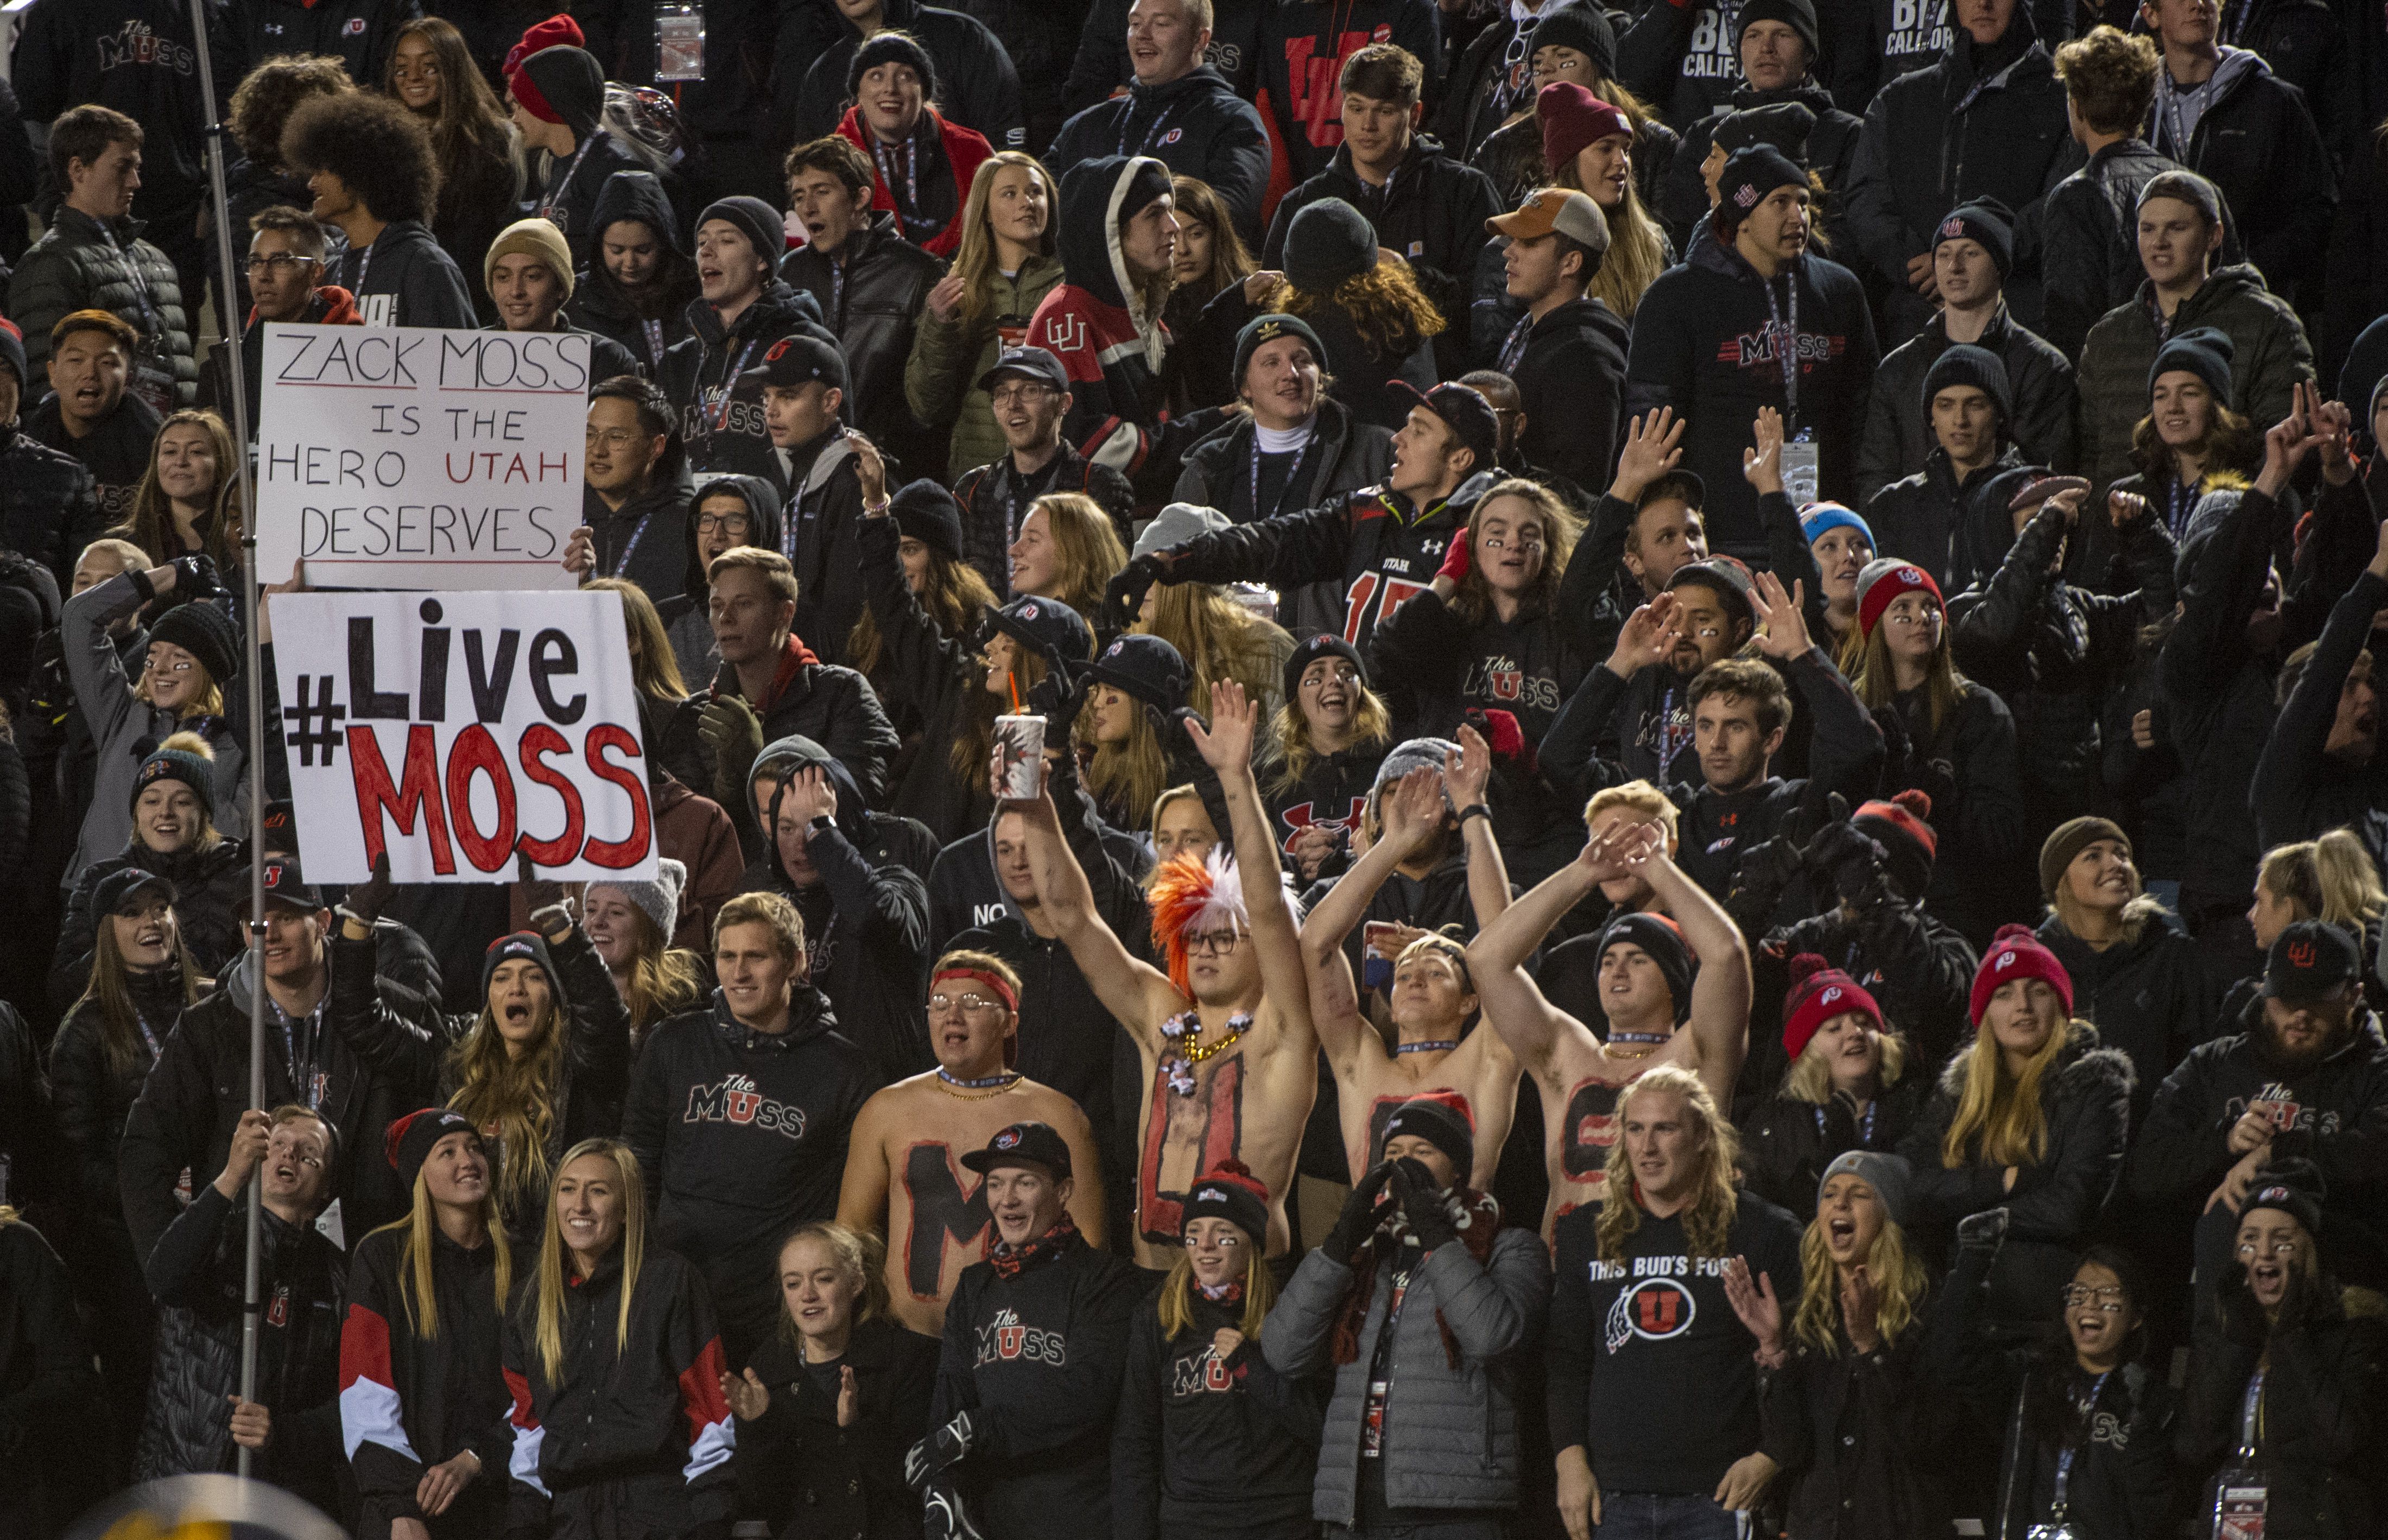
point(1571, 214)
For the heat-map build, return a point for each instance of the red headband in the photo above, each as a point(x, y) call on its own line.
point(1005, 992)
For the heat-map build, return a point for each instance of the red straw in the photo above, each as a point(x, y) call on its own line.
point(1013, 680)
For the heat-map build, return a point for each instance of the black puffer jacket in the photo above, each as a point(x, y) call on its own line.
point(1955, 530)
point(1978, 815)
point(1919, 969)
point(976, 84)
point(80, 264)
point(2055, 653)
point(48, 1392)
point(1897, 420)
point(1787, 1143)
point(2055, 1206)
point(92, 1097)
point(2317, 1415)
point(1948, 135)
point(197, 1274)
point(2119, 1479)
point(622, 1440)
point(834, 706)
point(870, 298)
point(195, 1095)
point(210, 886)
point(649, 321)
point(585, 1102)
point(49, 505)
point(1344, 455)
point(1197, 125)
point(2146, 998)
point(933, 678)
point(2089, 252)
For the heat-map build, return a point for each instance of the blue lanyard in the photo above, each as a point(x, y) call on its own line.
point(622, 563)
point(730, 383)
point(1513, 348)
point(1787, 348)
point(1865, 1124)
point(1291, 475)
point(2065, 1455)
point(1144, 140)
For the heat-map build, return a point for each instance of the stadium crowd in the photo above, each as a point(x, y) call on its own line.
point(1708, 857)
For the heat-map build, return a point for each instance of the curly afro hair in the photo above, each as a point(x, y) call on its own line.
point(269, 93)
point(379, 149)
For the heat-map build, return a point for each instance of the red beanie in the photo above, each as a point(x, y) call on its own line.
point(557, 29)
point(2016, 953)
point(1572, 118)
point(1820, 992)
point(1885, 580)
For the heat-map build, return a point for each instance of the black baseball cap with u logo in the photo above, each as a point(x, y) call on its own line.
point(798, 360)
point(1022, 1144)
point(2310, 958)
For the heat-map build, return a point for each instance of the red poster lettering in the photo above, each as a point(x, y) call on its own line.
point(537, 744)
point(418, 794)
point(474, 750)
point(627, 852)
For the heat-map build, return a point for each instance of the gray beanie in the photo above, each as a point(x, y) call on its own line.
point(1413, 753)
point(1888, 1174)
point(658, 901)
point(1325, 243)
point(1178, 524)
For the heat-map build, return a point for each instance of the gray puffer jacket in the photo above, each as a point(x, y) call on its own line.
point(80, 264)
point(1451, 1436)
point(120, 723)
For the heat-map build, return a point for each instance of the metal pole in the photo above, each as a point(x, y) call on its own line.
point(228, 314)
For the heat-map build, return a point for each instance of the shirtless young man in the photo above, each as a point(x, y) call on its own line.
point(1230, 1060)
point(904, 1172)
point(1644, 960)
point(1432, 996)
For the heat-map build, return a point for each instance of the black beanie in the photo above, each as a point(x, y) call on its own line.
point(1750, 173)
point(1438, 1123)
point(756, 219)
point(205, 633)
point(926, 512)
point(1309, 649)
point(1146, 668)
point(410, 1141)
point(1325, 243)
point(892, 47)
point(521, 944)
point(1785, 125)
point(1585, 27)
point(2201, 350)
point(2294, 1187)
point(1963, 363)
point(574, 84)
point(1268, 328)
point(167, 763)
point(1984, 220)
point(1797, 15)
point(1659, 938)
point(1228, 1190)
point(1147, 179)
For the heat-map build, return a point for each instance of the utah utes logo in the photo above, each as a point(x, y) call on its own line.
point(779, 350)
point(2006, 961)
point(1951, 227)
point(1008, 1140)
point(1066, 333)
point(2301, 954)
point(1028, 612)
point(1832, 994)
point(1210, 1195)
point(278, 1312)
point(356, 27)
point(1745, 195)
point(1171, 137)
point(1654, 1309)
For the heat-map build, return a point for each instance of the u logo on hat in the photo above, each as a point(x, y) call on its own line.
point(2301, 954)
point(1951, 227)
point(779, 350)
point(1006, 1138)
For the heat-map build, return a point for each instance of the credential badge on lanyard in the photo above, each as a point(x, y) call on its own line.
point(679, 41)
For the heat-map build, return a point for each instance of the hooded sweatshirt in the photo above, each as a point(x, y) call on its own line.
point(404, 279)
point(650, 319)
point(721, 416)
point(1302, 49)
point(976, 83)
point(1197, 125)
point(641, 540)
point(741, 1135)
point(1119, 415)
point(683, 614)
point(135, 55)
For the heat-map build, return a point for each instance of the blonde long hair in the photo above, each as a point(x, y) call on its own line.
point(1177, 1298)
point(974, 259)
point(956, 597)
point(417, 1292)
point(665, 980)
point(554, 1256)
point(2000, 1110)
point(861, 1256)
point(1897, 1272)
point(1638, 247)
point(1371, 724)
point(2332, 878)
point(1218, 638)
point(515, 1093)
point(1809, 1079)
point(1707, 1222)
point(1092, 555)
point(654, 668)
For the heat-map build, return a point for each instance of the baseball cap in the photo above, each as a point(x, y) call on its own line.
point(284, 886)
point(115, 893)
point(1037, 363)
point(1022, 1144)
point(2308, 958)
point(1571, 214)
point(1466, 411)
point(799, 360)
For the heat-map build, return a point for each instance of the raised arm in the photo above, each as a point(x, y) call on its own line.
point(1226, 746)
point(1720, 1018)
point(1135, 992)
point(1411, 811)
point(1496, 959)
point(1464, 778)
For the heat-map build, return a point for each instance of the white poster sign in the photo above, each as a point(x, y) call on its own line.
point(418, 458)
point(458, 731)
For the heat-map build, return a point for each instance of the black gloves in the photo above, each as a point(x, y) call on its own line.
point(943, 1517)
point(1359, 1219)
point(365, 900)
point(195, 578)
point(1766, 869)
point(1983, 1231)
point(1845, 857)
point(1422, 1205)
point(1124, 595)
point(943, 1446)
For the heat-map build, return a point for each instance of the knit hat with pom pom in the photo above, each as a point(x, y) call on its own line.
point(2016, 953)
point(1900, 824)
point(1820, 992)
